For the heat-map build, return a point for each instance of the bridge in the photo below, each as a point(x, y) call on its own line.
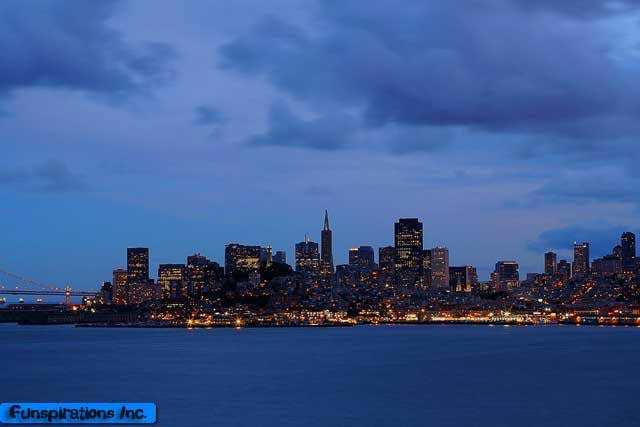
point(29, 287)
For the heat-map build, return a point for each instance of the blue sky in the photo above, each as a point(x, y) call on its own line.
point(508, 126)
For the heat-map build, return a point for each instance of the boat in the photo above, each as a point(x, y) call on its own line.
point(3, 300)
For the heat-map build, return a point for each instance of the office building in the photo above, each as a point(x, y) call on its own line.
point(463, 278)
point(280, 257)
point(326, 246)
point(580, 259)
point(440, 267)
point(362, 258)
point(171, 280)
point(241, 259)
point(307, 257)
point(408, 241)
point(628, 243)
point(387, 258)
point(120, 288)
point(550, 263)
point(507, 275)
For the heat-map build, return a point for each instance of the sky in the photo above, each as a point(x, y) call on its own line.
point(509, 127)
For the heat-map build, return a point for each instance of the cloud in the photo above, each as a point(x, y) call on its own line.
point(51, 176)
point(323, 133)
point(504, 67)
point(71, 45)
point(589, 186)
point(208, 116)
point(601, 236)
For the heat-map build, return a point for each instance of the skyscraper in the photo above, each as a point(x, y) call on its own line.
point(580, 259)
point(408, 243)
point(241, 258)
point(119, 284)
point(326, 245)
point(307, 257)
point(628, 243)
point(202, 274)
point(440, 267)
point(507, 275)
point(171, 279)
point(137, 265)
point(280, 257)
point(139, 287)
point(564, 269)
point(387, 258)
point(462, 279)
point(362, 258)
point(550, 263)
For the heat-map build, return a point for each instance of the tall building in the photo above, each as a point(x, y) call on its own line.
point(241, 259)
point(387, 258)
point(307, 257)
point(564, 269)
point(507, 275)
point(138, 265)
point(171, 279)
point(266, 257)
point(440, 267)
point(550, 263)
point(408, 243)
point(202, 275)
point(462, 279)
point(280, 257)
point(362, 258)
point(628, 243)
point(119, 284)
point(427, 260)
point(139, 287)
point(326, 246)
point(580, 259)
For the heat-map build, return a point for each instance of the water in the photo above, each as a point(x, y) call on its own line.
point(363, 376)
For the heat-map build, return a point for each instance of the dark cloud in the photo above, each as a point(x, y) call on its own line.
point(208, 116)
point(496, 66)
point(590, 187)
point(324, 133)
point(71, 45)
point(602, 238)
point(51, 176)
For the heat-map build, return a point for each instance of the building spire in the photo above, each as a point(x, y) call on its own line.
point(326, 220)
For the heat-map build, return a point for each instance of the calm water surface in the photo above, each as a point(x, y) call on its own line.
point(363, 376)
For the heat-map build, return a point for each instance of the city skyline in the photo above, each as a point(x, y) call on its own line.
point(310, 255)
point(192, 125)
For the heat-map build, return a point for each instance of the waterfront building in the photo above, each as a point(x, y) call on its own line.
point(119, 283)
